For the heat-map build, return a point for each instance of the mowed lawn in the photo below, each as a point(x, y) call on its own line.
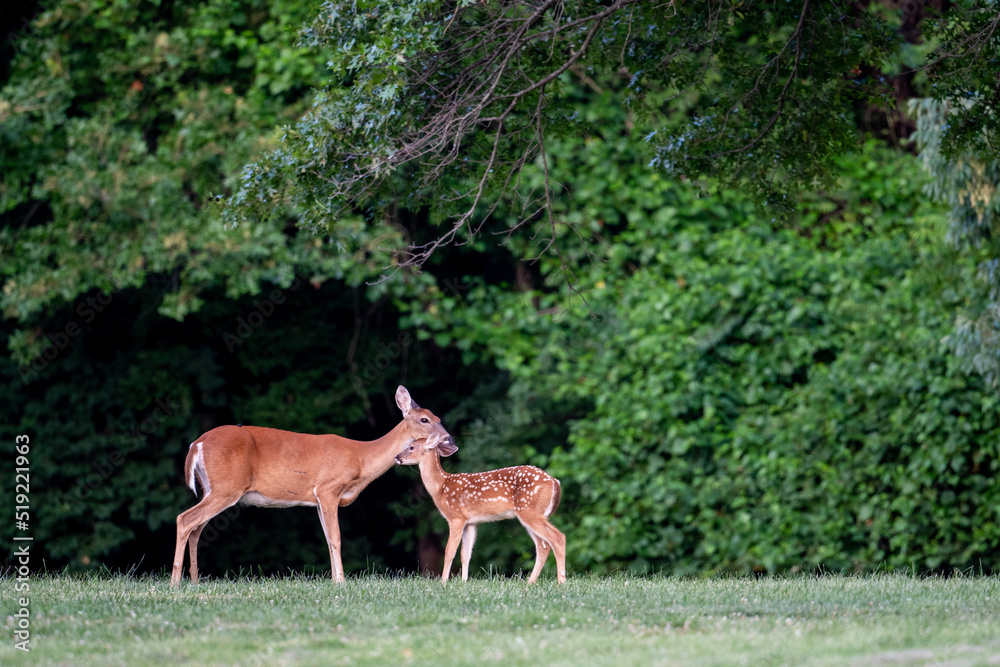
point(617, 620)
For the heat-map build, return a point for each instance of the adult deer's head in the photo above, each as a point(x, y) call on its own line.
point(420, 423)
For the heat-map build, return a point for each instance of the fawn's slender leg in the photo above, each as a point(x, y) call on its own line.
point(542, 550)
point(543, 528)
point(468, 540)
point(455, 529)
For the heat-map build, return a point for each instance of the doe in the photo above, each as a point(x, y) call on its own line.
point(526, 493)
point(271, 468)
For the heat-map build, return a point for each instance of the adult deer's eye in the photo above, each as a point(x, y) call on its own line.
point(425, 420)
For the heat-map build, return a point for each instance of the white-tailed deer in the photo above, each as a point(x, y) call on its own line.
point(526, 493)
point(271, 468)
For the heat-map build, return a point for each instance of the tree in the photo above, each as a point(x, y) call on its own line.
point(436, 104)
point(968, 183)
point(440, 105)
point(958, 136)
point(134, 321)
point(111, 156)
point(746, 393)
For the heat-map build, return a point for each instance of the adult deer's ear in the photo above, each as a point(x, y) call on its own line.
point(403, 400)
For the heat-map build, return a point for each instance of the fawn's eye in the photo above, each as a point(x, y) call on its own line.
point(425, 420)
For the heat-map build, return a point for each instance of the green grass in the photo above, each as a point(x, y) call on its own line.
point(620, 620)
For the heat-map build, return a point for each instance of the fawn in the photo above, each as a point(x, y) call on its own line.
point(526, 493)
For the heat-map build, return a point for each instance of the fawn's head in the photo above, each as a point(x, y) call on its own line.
point(433, 445)
point(418, 422)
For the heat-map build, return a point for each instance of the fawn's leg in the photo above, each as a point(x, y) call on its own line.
point(543, 528)
point(468, 539)
point(455, 529)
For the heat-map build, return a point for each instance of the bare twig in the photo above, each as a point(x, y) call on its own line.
point(461, 103)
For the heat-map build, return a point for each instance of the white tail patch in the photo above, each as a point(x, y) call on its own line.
point(556, 490)
point(198, 470)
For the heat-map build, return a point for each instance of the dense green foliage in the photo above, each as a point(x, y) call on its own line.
point(133, 321)
point(768, 94)
point(719, 390)
point(119, 123)
point(968, 183)
point(615, 621)
point(428, 89)
point(439, 104)
point(760, 397)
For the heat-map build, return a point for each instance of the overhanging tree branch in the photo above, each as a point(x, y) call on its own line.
point(442, 101)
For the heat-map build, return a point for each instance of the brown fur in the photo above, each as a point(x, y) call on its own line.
point(273, 468)
point(466, 499)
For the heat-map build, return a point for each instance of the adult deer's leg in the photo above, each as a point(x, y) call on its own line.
point(331, 529)
point(192, 520)
point(193, 551)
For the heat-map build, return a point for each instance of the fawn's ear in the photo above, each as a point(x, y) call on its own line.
point(403, 400)
point(446, 448)
point(431, 441)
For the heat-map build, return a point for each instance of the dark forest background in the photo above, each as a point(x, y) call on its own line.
point(720, 387)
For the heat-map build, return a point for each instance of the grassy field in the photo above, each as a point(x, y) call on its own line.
point(619, 620)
